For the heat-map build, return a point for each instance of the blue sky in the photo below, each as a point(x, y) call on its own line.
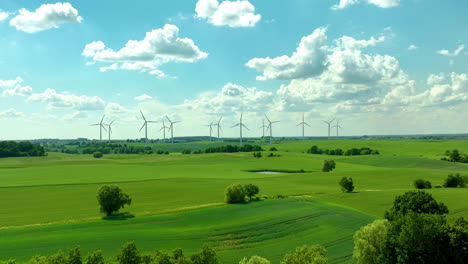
point(380, 66)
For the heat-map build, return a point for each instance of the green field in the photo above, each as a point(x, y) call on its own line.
point(49, 203)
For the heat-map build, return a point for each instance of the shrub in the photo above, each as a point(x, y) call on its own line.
point(235, 193)
point(422, 184)
point(306, 255)
point(74, 256)
point(456, 180)
point(257, 154)
point(251, 190)
point(186, 151)
point(205, 256)
point(97, 155)
point(95, 257)
point(346, 184)
point(328, 165)
point(129, 254)
point(255, 260)
point(273, 149)
point(111, 199)
point(438, 186)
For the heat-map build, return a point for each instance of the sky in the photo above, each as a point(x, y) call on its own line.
point(379, 66)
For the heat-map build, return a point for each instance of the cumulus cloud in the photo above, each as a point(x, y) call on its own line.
point(308, 60)
point(229, 13)
point(47, 16)
point(455, 53)
point(68, 100)
point(15, 88)
point(413, 47)
point(143, 97)
point(3, 15)
point(11, 113)
point(159, 46)
point(379, 3)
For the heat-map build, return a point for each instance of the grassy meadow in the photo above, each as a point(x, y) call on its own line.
point(49, 203)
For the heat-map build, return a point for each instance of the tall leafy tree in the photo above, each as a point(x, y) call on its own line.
point(111, 199)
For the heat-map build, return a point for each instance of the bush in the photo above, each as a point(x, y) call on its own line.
point(111, 199)
point(235, 193)
point(346, 184)
point(273, 149)
point(306, 255)
point(98, 155)
point(95, 257)
point(251, 190)
point(456, 180)
point(419, 202)
point(205, 256)
point(255, 260)
point(422, 184)
point(328, 165)
point(129, 254)
point(257, 154)
point(186, 151)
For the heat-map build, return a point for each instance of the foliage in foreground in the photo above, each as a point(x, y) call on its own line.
point(415, 201)
point(111, 199)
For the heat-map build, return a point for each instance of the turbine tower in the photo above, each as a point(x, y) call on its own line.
point(219, 126)
point(303, 123)
point(329, 123)
point(337, 127)
point(110, 130)
point(240, 124)
point(145, 125)
point(270, 123)
point(263, 129)
point(163, 128)
point(101, 126)
point(211, 128)
point(171, 128)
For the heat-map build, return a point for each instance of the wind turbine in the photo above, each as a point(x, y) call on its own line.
point(240, 124)
point(329, 123)
point(163, 128)
point(110, 130)
point(145, 125)
point(263, 129)
point(101, 126)
point(303, 123)
point(219, 126)
point(171, 128)
point(211, 128)
point(337, 127)
point(270, 123)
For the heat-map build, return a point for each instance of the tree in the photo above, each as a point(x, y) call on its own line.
point(346, 184)
point(206, 255)
point(455, 181)
point(74, 256)
point(129, 254)
point(112, 199)
point(369, 242)
point(306, 255)
point(235, 193)
point(95, 257)
point(97, 155)
point(251, 190)
point(422, 184)
point(454, 155)
point(328, 165)
point(255, 260)
point(419, 202)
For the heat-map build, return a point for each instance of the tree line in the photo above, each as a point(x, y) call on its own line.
point(339, 152)
point(225, 149)
point(455, 156)
point(20, 149)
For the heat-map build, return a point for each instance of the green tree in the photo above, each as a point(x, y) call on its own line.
point(369, 242)
point(98, 154)
point(251, 190)
point(74, 256)
point(235, 193)
point(112, 199)
point(129, 254)
point(328, 165)
point(347, 184)
point(206, 255)
point(95, 257)
point(419, 202)
point(162, 257)
point(306, 255)
point(422, 184)
point(255, 260)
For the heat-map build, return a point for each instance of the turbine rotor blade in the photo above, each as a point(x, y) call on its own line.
point(102, 119)
point(245, 127)
point(235, 125)
point(144, 124)
point(142, 115)
point(267, 118)
point(168, 119)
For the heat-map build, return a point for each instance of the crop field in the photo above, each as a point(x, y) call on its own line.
point(49, 203)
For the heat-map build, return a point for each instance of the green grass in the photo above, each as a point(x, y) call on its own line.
point(268, 228)
point(59, 191)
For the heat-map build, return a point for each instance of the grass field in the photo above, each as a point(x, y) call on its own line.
point(49, 203)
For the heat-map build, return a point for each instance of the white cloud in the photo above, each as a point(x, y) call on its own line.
point(68, 100)
point(15, 88)
point(143, 97)
point(3, 15)
point(47, 16)
point(159, 46)
point(11, 113)
point(434, 79)
point(308, 60)
point(379, 3)
point(455, 53)
point(229, 13)
point(413, 47)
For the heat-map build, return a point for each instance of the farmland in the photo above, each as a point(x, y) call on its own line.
point(49, 203)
